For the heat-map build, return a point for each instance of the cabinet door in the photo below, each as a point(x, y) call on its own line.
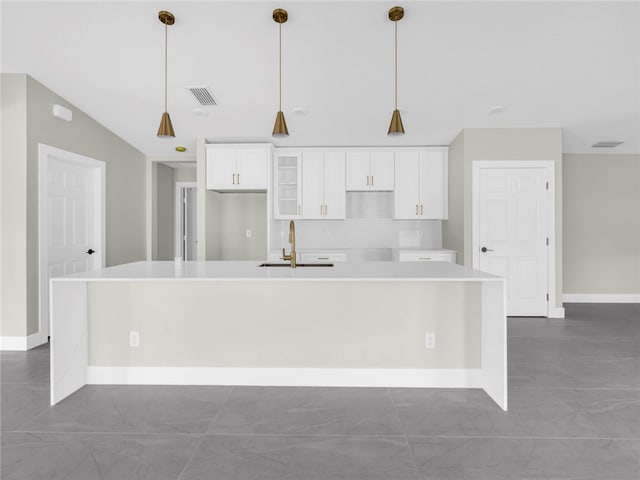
point(287, 182)
point(382, 174)
point(357, 171)
point(432, 185)
point(334, 186)
point(406, 194)
point(221, 168)
point(312, 185)
point(252, 168)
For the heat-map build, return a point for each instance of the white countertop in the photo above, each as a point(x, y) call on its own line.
point(249, 270)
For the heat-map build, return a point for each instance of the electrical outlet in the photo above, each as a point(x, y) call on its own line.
point(134, 339)
point(248, 233)
point(429, 340)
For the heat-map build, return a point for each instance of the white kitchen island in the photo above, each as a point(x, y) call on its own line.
point(235, 323)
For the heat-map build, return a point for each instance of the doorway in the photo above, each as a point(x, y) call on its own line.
point(513, 231)
point(185, 221)
point(71, 219)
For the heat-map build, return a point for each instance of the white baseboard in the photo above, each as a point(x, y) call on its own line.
point(22, 344)
point(556, 312)
point(601, 298)
point(294, 377)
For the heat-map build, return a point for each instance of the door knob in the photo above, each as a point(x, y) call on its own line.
point(485, 249)
point(91, 251)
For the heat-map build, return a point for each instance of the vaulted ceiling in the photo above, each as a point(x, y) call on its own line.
point(573, 65)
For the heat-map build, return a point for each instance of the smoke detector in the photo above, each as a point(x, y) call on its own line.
point(203, 95)
point(609, 144)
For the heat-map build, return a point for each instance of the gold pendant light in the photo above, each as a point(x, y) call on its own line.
point(396, 127)
point(166, 129)
point(280, 128)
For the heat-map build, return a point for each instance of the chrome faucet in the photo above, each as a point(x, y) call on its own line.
point(292, 240)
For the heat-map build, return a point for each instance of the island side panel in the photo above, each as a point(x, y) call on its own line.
point(338, 325)
point(69, 337)
point(494, 341)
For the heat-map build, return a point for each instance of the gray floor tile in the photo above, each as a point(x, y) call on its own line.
point(49, 456)
point(352, 411)
point(515, 459)
point(20, 403)
point(464, 412)
point(631, 446)
point(23, 367)
point(531, 348)
point(136, 409)
point(575, 372)
point(302, 458)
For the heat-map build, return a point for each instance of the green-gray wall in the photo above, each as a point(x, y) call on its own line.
point(28, 121)
point(498, 144)
point(165, 213)
point(601, 224)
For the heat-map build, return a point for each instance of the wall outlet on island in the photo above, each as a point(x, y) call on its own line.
point(247, 233)
point(134, 339)
point(429, 340)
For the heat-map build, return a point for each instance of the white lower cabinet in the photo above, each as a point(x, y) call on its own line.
point(323, 257)
point(427, 256)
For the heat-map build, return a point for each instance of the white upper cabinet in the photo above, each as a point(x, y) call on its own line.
point(237, 167)
point(367, 171)
point(287, 183)
point(421, 185)
point(323, 185)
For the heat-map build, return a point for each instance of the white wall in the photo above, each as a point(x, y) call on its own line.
point(601, 224)
point(27, 105)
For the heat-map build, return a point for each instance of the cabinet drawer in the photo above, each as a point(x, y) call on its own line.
point(427, 257)
point(323, 257)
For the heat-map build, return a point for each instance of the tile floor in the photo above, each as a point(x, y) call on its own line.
point(574, 414)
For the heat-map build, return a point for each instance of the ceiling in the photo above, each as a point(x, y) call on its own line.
point(573, 65)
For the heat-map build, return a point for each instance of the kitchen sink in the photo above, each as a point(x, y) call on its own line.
point(297, 265)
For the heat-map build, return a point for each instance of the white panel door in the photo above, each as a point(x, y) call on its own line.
point(406, 195)
point(221, 168)
point(334, 186)
point(70, 206)
point(432, 191)
point(382, 172)
point(312, 185)
point(513, 235)
point(252, 168)
point(357, 171)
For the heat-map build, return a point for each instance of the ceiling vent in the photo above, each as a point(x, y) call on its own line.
point(606, 144)
point(203, 95)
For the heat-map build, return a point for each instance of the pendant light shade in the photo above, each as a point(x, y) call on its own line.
point(396, 127)
point(166, 128)
point(280, 129)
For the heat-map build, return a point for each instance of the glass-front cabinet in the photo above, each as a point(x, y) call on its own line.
point(287, 182)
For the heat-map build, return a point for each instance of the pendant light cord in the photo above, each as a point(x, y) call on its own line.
point(165, 67)
point(280, 66)
point(396, 64)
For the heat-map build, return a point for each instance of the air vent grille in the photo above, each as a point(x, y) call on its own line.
point(203, 95)
point(606, 144)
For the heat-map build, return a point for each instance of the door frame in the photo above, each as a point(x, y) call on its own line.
point(178, 250)
point(44, 152)
point(549, 167)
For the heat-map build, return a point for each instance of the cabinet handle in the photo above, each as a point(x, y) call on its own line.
point(321, 210)
point(372, 180)
point(325, 210)
point(417, 211)
point(233, 177)
point(367, 180)
point(425, 258)
point(323, 258)
point(298, 209)
point(421, 208)
point(238, 178)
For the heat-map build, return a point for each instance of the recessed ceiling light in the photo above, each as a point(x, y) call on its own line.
point(606, 144)
point(299, 111)
point(495, 110)
point(180, 148)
